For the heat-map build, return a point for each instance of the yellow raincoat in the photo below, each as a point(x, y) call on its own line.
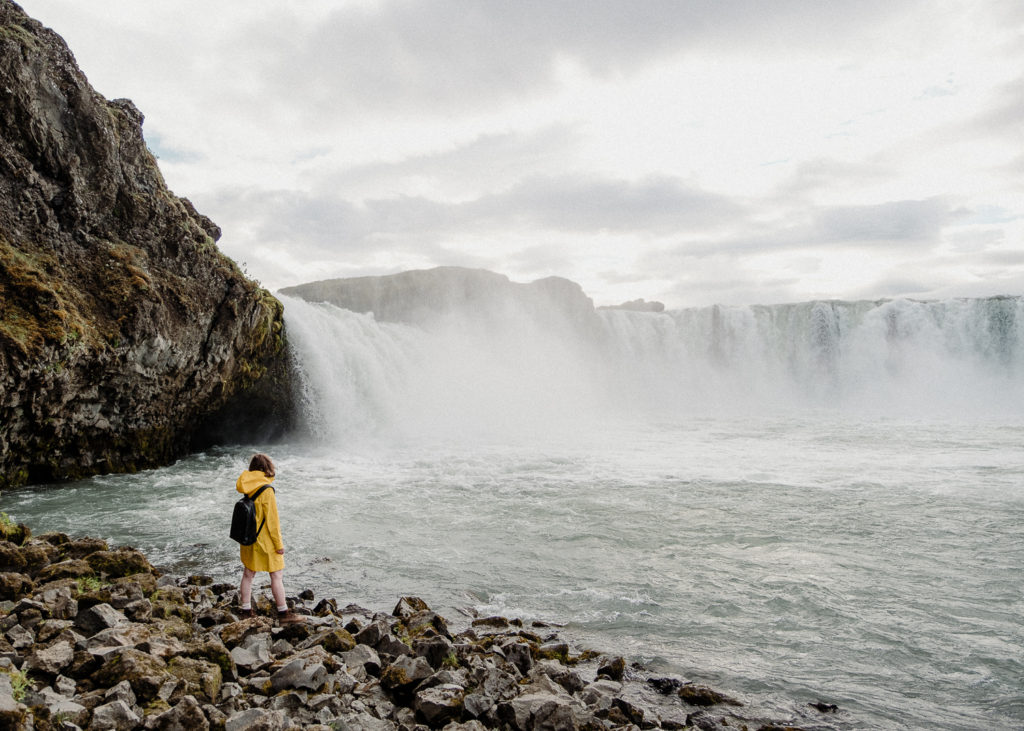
point(262, 555)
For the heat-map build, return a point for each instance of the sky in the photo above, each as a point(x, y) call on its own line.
point(692, 152)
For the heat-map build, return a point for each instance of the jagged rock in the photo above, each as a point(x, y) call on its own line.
point(121, 692)
point(336, 640)
point(253, 654)
point(79, 548)
point(554, 650)
point(187, 715)
point(440, 704)
point(122, 562)
point(362, 656)
point(408, 606)
point(145, 673)
point(570, 681)
point(613, 668)
point(51, 660)
point(405, 673)
point(372, 633)
point(435, 650)
point(391, 647)
point(539, 712)
point(520, 655)
point(20, 637)
point(62, 706)
point(114, 715)
point(600, 693)
point(257, 719)
point(98, 618)
point(11, 558)
point(72, 568)
point(236, 632)
point(307, 673)
point(139, 340)
point(140, 610)
point(13, 585)
point(198, 678)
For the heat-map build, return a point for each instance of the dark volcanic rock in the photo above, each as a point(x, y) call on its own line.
point(126, 338)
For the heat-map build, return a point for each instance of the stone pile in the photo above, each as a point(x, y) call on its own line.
point(95, 638)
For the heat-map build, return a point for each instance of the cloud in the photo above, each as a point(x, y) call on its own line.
point(909, 221)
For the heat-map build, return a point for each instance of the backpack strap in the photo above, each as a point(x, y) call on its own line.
point(253, 498)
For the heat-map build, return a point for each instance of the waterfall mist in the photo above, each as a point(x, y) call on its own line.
point(502, 372)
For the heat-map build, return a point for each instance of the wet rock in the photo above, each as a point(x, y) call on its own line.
point(494, 623)
point(824, 707)
point(554, 650)
point(666, 686)
point(701, 695)
point(408, 606)
point(613, 668)
point(11, 558)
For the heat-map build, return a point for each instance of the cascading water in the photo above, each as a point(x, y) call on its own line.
point(458, 374)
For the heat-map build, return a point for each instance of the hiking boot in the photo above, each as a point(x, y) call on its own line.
point(244, 614)
point(289, 617)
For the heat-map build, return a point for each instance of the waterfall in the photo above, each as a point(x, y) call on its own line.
point(488, 374)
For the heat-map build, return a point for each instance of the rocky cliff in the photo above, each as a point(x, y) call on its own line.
point(126, 338)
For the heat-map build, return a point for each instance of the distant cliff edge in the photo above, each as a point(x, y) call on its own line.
point(421, 295)
point(126, 338)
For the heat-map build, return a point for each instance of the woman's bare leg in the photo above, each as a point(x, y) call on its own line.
point(277, 589)
point(245, 590)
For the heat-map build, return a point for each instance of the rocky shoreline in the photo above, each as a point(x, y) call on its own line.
point(96, 638)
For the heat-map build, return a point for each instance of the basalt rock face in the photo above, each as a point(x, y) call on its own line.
point(126, 338)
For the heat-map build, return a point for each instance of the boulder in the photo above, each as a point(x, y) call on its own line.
point(14, 585)
point(409, 605)
point(362, 656)
point(199, 678)
point(439, 704)
point(11, 558)
point(187, 715)
point(98, 618)
point(301, 673)
point(122, 562)
point(115, 715)
point(145, 673)
point(74, 568)
point(50, 660)
point(612, 668)
point(257, 719)
point(405, 673)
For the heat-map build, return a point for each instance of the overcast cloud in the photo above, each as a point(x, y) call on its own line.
point(689, 151)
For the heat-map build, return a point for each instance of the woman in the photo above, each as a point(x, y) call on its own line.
point(267, 553)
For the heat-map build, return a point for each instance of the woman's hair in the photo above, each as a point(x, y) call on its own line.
point(262, 463)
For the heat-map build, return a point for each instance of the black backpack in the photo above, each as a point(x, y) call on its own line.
point(243, 519)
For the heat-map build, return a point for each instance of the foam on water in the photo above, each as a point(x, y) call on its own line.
point(801, 503)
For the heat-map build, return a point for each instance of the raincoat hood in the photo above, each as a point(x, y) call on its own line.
point(252, 480)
